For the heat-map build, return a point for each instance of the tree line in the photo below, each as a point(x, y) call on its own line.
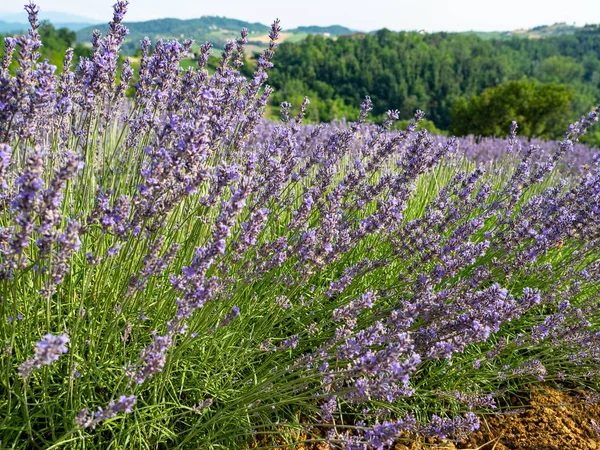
point(465, 84)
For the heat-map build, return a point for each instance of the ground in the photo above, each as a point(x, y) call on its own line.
point(554, 420)
point(550, 420)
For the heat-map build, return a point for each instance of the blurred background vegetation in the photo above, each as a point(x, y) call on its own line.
point(466, 84)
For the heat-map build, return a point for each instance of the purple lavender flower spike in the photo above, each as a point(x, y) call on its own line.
point(47, 351)
point(87, 419)
point(153, 358)
point(235, 312)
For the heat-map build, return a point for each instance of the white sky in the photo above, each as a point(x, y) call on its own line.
point(430, 15)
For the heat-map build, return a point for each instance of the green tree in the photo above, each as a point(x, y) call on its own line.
point(559, 69)
point(408, 71)
point(542, 110)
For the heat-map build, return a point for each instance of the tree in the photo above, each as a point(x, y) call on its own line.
point(559, 69)
point(542, 110)
point(407, 71)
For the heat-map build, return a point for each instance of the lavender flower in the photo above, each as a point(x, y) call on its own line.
point(235, 312)
point(153, 358)
point(47, 351)
point(290, 343)
point(87, 419)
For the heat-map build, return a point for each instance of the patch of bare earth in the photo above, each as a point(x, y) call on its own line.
point(550, 420)
point(554, 420)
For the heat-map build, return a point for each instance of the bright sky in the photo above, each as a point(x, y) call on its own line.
point(430, 15)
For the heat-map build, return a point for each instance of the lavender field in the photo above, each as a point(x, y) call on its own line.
point(178, 272)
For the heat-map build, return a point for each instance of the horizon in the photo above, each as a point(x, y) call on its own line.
point(493, 17)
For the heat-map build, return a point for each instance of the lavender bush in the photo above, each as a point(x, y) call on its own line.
point(222, 282)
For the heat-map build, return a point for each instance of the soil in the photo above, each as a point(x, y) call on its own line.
point(553, 420)
point(550, 419)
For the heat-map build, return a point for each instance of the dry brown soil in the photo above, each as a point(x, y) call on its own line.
point(552, 420)
point(555, 420)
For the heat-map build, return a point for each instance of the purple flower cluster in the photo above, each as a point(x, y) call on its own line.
point(87, 419)
point(153, 358)
point(47, 351)
point(384, 435)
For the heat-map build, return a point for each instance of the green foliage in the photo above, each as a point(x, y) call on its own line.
point(592, 139)
point(320, 109)
point(559, 69)
point(56, 41)
point(433, 72)
point(216, 29)
point(540, 109)
point(333, 30)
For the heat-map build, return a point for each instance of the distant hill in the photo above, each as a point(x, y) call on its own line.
point(543, 31)
point(208, 28)
point(332, 30)
point(11, 27)
point(16, 22)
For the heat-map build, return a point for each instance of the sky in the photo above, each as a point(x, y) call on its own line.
point(428, 15)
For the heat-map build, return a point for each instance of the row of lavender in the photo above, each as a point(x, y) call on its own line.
point(177, 272)
point(481, 150)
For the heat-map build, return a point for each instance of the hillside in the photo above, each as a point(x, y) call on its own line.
point(542, 31)
point(220, 29)
point(332, 30)
point(17, 22)
point(208, 28)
